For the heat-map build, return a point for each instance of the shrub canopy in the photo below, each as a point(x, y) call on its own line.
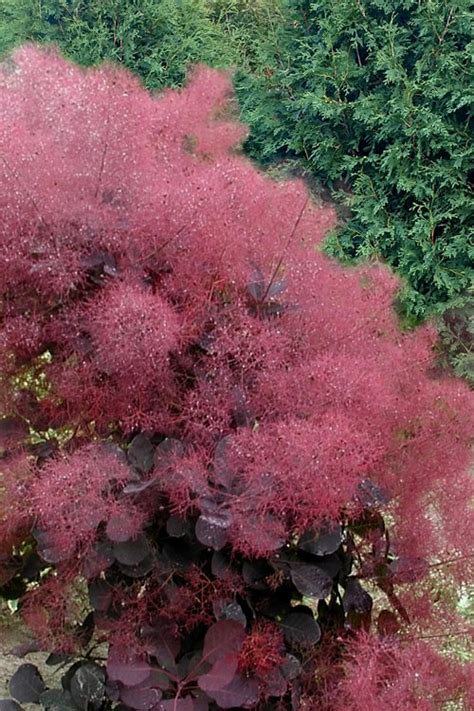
point(216, 434)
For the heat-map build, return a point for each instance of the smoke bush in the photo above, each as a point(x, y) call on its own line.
point(218, 435)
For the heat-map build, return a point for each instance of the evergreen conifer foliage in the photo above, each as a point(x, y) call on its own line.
point(156, 39)
point(245, 445)
point(375, 96)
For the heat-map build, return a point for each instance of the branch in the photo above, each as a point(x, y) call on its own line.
point(280, 261)
point(104, 151)
point(449, 22)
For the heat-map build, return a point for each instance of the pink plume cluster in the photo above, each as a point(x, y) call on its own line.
point(175, 289)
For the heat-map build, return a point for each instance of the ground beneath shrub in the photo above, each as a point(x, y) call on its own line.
point(12, 633)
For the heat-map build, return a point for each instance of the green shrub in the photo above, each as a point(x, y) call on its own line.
point(157, 39)
point(456, 347)
point(375, 96)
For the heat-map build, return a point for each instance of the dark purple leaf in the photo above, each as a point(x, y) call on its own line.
point(220, 564)
point(255, 572)
point(83, 344)
point(212, 529)
point(9, 705)
point(267, 530)
point(47, 548)
point(178, 554)
point(273, 308)
point(84, 632)
point(100, 594)
point(67, 676)
point(120, 528)
point(132, 551)
point(310, 580)
point(163, 644)
point(220, 455)
point(54, 555)
point(229, 610)
point(387, 623)
point(221, 673)
point(140, 697)
point(136, 487)
point(26, 684)
point(224, 637)
point(159, 679)
point(32, 566)
point(186, 704)
point(167, 451)
point(109, 447)
point(322, 542)
point(331, 564)
point(12, 430)
point(112, 689)
point(369, 494)
point(256, 286)
point(210, 504)
point(44, 450)
point(88, 686)
point(241, 416)
point(275, 682)
point(276, 288)
point(139, 570)
point(141, 453)
point(206, 342)
point(57, 700)
point(409, 569)
point(296, 695)
point(98, 559)
point(100, 263)
point(223, 475)
point(21, 650)
point(177, 527)
point(191, 666)
point(277, 604)
point(91, 519)
point(56, 658)
point(129, 668)
point(301, 629)
point(240, 693)
point(291, 667)
point(200, 704)
point(355, 598)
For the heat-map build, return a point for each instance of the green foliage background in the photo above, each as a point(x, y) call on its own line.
point(373, 97)
point(158, 39)
point(376, 96)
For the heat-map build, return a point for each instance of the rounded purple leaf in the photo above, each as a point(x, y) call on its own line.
point(322, 542)
point(240, 693)
point(140, 697)
point(120, 528)
point(311, 580)
point(221, 673)
point(9, 705)
point(26, 684)
point(129, 668)
point(212, 529)
point(301, 629)
point(224, 637)
point(133, 551)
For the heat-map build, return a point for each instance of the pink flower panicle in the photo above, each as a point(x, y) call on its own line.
point(157, 284)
